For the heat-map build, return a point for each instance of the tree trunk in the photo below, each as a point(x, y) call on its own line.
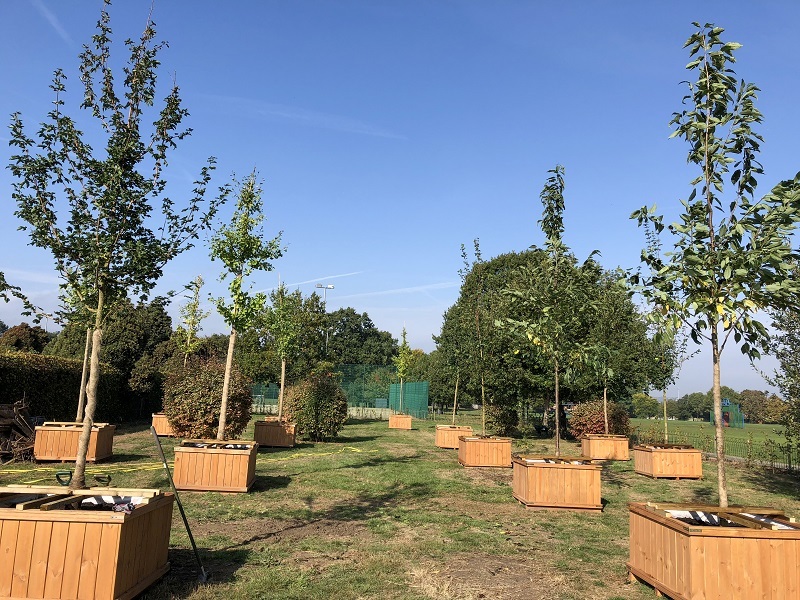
point(455, 398)
point(280, 393)
point(84, 373)
point(79, 476)
point(605, 407)
point(719, 436)
point(664, 406)
point(483, 405)
point(401, 396)
point(223, 408)
point(558, 415)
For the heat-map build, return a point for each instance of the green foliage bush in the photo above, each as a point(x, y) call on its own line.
point(501, 419)
point(192, 398)
point(588, 418)
point(50, 385)
point(317, 405)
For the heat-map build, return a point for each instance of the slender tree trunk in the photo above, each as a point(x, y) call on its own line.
point(722, 483)
point(79, 476)
point(664, 406)
point(558, 414)
point(223, 409)
point(455, 397)
point(483, 405)
point(283, 383)
point(84, 374)
point(185, 359)
point(605, 407)
point(401, 396)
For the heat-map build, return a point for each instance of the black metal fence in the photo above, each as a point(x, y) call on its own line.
point(774, 455)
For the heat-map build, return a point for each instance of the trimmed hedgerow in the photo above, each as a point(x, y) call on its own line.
point(192, 398)
point(588, 418)
point(50, 385)
point(317, 405)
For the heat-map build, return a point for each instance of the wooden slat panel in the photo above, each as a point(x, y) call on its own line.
point(8, 550)
point(57, 560)
point(108, 555)
point(90, 558)
point(22, 559)
point(37, 575)
point(74, 558)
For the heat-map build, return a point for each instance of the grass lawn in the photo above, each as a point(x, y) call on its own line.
point(385, 514)
point(756, 432)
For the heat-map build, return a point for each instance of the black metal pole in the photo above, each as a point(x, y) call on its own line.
point(203, 575)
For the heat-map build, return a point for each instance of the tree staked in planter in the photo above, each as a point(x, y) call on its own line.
point(557, 482)
point(447, 435)
point(484, 451)
point(209, 465)
point(675, 461)
point(59, 441)
point(53, 549)
point(691, 551)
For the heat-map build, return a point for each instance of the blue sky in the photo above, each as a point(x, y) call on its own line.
point(388, 133)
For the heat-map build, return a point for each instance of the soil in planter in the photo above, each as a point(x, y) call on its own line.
point(216, 446)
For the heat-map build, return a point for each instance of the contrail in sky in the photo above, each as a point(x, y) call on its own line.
point(407, 290)
point(315, 280)
point(54, 22)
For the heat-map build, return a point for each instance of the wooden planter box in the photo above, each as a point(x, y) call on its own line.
point(274, 433)
point(59, 441)
point(488, 451)
point(50, 550)
point(557, 483)
point(214, 466)
point(668, 460)
point(161, 425)
point(689, 561)
point(399, 421)
point(447, 435)
point(605, 447)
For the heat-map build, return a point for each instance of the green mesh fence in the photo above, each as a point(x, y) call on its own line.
point(415, 398)
point(367, 386)
point(265, 398)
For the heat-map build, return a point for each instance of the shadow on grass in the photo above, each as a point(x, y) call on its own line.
point(762, 478)
point(122, 458)
point(264, 483)
point(183, 578)
point(610, 475)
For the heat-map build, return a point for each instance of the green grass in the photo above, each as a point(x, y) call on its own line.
point(385, 514)
point(755, 432)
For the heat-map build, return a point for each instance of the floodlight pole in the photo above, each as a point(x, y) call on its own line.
point(325, 288)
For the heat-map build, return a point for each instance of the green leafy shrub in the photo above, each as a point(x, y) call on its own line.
point(588, 418)
point(317, 405)
point(192, 398)
point(50, 384)
point(501, 419)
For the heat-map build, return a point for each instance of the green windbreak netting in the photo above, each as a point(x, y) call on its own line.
point(265, 397)
point(367, 386)
point(415, 398)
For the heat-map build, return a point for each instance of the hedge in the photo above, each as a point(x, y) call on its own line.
point(49, 385)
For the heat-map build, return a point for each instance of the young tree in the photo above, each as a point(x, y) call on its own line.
point(106, 247)
point(732, 253)
point(284, 321)
point(241, 249)
point(403, 362)
point(187, 334)
point(555, 297)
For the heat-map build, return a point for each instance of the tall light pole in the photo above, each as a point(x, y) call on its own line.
point(325, 288)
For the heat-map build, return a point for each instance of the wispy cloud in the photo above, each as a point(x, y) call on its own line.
point(301, 116)
point(417, 289)
point(14, 276)
point(54, 22)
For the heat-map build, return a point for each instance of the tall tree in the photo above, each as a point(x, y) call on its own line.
point(555, 298)
point(241, 249)
point(105, 248)
point(732, 255)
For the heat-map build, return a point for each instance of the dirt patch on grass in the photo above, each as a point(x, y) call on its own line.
point(489, 475)
point(248, 532)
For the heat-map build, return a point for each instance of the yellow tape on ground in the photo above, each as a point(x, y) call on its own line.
point(48, 473)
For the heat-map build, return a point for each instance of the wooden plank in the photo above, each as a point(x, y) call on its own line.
point(74, 558)
point(107, 560)
point(37, 575)
point(60, 503)
point(90, 558)
point(56, 560)
point(8, 550)
point(22, 559)
point(33, 504)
